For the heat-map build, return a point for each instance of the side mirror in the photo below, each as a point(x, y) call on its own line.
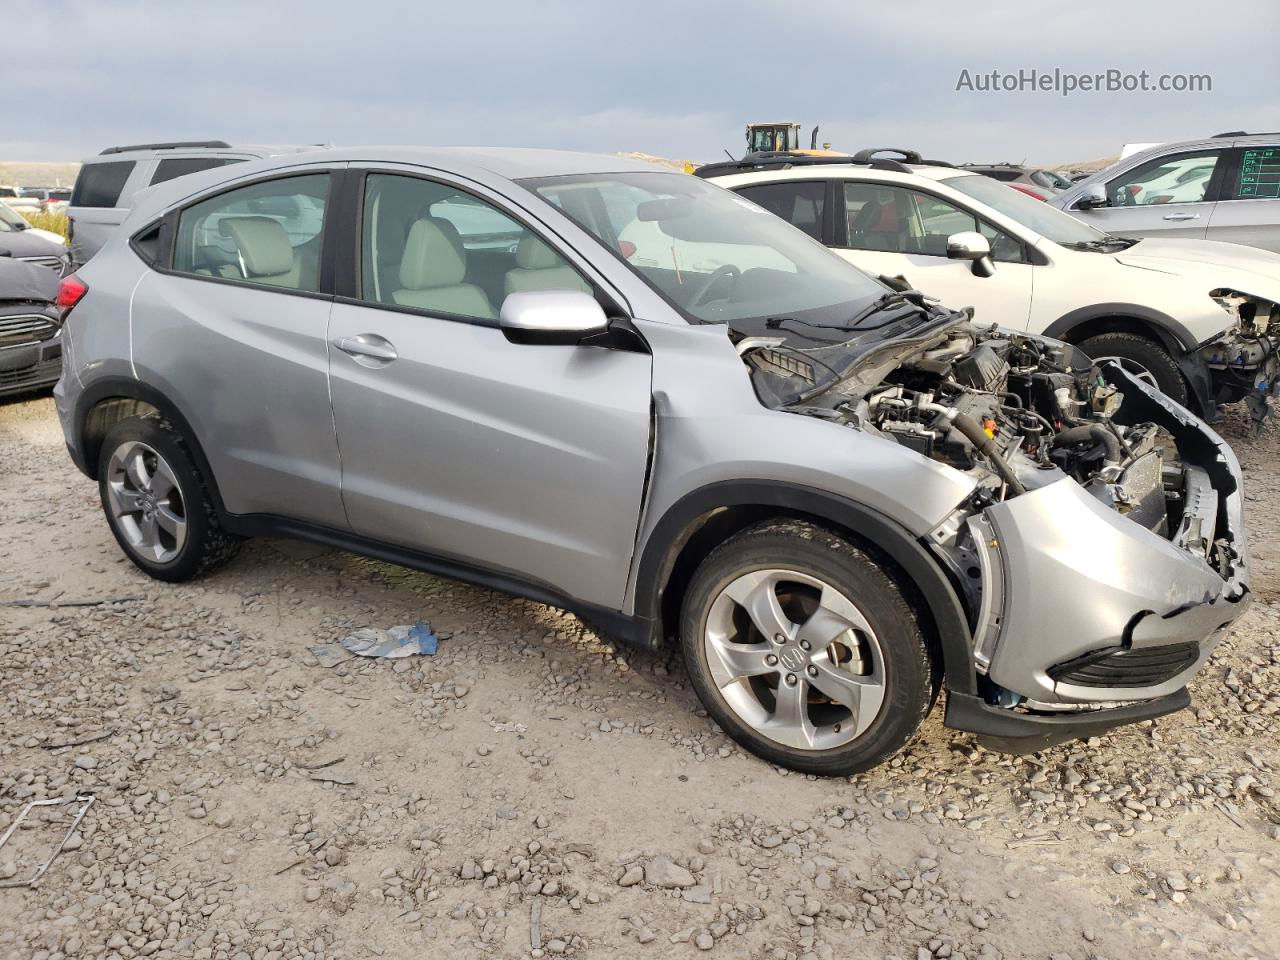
point(551, 317)
point(1094, 196)
point(971, 246)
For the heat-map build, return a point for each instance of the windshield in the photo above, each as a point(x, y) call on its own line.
point(10, 219)
point(715, 256)
point(1050, 222)
point(1047, 178)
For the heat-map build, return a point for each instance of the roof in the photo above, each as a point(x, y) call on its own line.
point(842, 171)
point(478, 163)
point(131, 151)
point(513, 163)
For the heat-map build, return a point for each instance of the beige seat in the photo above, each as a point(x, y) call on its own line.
point(431, 273)
point(264, 253)
point(538, 267)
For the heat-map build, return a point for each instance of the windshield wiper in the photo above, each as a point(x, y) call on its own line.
point(886, 301)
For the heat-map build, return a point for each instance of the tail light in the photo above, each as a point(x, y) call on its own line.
point(71, 290)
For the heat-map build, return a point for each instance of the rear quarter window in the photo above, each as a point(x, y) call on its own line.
point(99, 184)
point(181, 166)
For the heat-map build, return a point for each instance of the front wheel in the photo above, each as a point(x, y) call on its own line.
point(805, 651)
point(1141, 356)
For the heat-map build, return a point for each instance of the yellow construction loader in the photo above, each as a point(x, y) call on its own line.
point(766, 139)
point(785, 138)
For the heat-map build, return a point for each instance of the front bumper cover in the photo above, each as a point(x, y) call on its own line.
point(30, 366)
point(1100, 622)
point(1009, 731)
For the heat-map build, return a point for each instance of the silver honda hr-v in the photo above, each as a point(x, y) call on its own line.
point(632, 394)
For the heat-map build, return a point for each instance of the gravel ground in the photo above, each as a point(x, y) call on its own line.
point(532, 791)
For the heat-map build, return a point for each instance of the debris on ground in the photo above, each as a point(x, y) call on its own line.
point(401, 641)
point(86, 799)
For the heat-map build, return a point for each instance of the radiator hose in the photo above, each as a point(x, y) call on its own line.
point(973, 431)
point(1095, 432)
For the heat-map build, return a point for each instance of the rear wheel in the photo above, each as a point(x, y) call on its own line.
point(157, 504)
point(805, 650)
point(1141, 356)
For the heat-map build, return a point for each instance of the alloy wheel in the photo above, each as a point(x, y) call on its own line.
point(145, 501)
point(795, 659)
point(1133, 367)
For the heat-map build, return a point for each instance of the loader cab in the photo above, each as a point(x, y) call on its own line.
point(773, 137)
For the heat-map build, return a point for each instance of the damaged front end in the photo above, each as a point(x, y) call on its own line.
point(1244, 360)
point(1102, 553)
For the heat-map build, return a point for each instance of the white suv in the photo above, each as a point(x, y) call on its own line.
point(107, 184)
point(1197, 318)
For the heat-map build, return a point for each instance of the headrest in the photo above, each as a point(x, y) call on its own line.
point(533, 254)
point(263, 244)
point(432, 256)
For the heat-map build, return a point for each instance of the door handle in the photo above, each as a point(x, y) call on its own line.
point(367, 348)
point(1182, 216)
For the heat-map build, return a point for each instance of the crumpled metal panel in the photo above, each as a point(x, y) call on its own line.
point(1078, 576)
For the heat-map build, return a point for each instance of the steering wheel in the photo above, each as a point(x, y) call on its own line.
point(718, 274)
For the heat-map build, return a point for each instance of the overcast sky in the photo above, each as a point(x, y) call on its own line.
point(677, 79)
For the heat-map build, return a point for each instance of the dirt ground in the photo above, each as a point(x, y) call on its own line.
point(532, 791)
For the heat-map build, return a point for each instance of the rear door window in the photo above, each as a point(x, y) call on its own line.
point(267, 233)
point(1259, 177)
point(99, 184)
point(172, 167)
point(800, 203)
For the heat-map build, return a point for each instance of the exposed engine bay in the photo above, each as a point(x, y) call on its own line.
point(1244, 361)
point(1016, 412)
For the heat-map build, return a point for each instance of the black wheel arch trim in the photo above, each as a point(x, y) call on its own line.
point(1166, 327)
point(679, 522)
point(110, 388)
point(1181, 345)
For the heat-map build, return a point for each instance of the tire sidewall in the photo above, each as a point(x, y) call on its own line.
point(158, 435)
point(908, 681)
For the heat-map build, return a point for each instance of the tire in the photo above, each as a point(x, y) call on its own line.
point(144, 517)
point(1131, 348)
point(821, 583)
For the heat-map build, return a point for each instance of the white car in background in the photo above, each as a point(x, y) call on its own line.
point(12, 220)
point(1225, 187)
point(1197, 318)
